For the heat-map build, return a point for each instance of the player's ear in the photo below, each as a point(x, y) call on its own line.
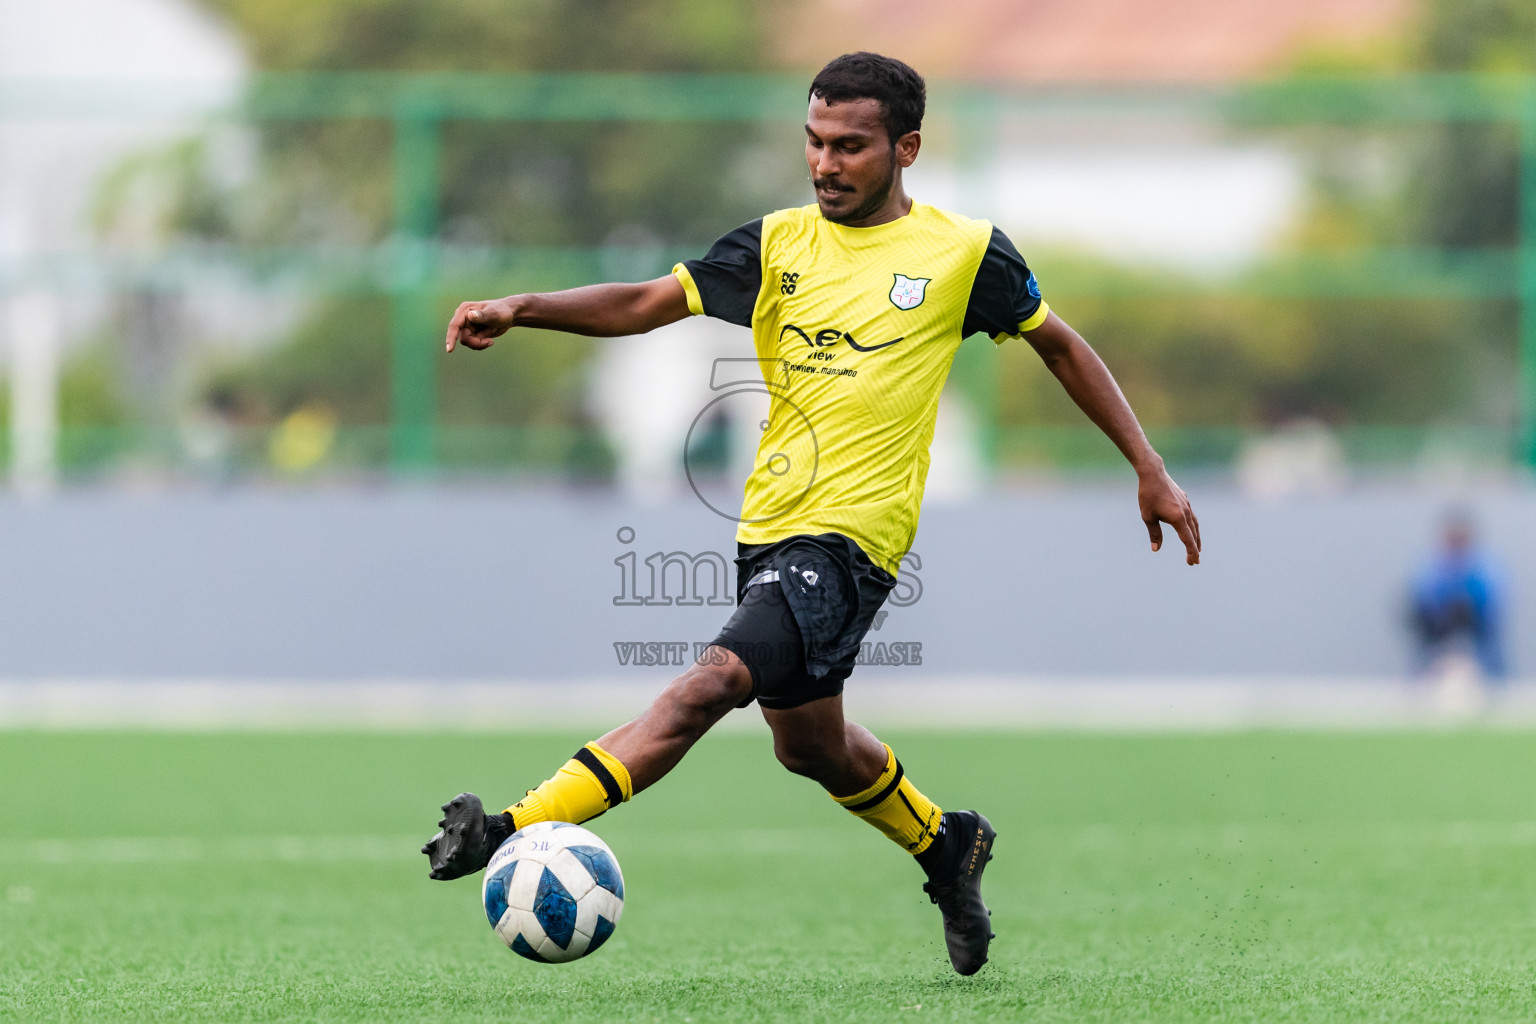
point(907, 147)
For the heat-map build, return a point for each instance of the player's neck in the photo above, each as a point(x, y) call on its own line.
point(896, 206)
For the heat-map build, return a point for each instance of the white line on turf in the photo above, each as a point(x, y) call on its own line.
point(184, 850)
point(710, 844)
point(878, 698)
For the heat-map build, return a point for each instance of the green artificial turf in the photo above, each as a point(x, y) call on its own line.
point(1268, 876)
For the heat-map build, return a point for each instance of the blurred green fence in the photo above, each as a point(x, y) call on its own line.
point(581, 454)
point(411, 267)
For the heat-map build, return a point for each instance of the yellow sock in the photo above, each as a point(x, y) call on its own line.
point(586, 786)
point(895, 807)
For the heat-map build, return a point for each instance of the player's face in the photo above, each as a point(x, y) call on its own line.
point(852, 161)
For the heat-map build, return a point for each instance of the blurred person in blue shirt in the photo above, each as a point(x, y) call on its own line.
point(1458, 603)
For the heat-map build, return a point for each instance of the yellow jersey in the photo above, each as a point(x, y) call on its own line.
point(855, 330)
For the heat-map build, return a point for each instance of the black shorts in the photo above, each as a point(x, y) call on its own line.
point(803, 606)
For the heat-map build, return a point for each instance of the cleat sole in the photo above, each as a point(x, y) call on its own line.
point(455, 850)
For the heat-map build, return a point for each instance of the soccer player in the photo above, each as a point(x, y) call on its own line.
point(857, 305)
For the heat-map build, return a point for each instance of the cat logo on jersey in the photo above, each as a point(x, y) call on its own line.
point(907, 292)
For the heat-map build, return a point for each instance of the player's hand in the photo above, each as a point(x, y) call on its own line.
point(1163, 501)
point(477, 325)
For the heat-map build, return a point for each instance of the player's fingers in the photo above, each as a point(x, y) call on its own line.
point(1194, 521)
point(479, 326)
point(1155, 531)
point(483, 323)
point(1187, 535)
point(456, 325)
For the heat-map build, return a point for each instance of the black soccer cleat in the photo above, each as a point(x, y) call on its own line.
point(957, 891)
point(468, 838)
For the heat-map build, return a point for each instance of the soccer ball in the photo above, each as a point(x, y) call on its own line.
point(553, 892)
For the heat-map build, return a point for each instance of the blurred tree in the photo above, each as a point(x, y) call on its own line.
point(503, 183)
point(1464, 185)
point(498, 35)
point(645, 187)
point(1198, 360)
point(1451, 185)
point(1208, 359)
point(1460, 188)
point(1211, 359)
point(148, 201)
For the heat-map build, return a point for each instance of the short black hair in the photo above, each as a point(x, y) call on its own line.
point(870, 76)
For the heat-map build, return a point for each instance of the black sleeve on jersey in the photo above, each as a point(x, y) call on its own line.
point(730, 274)
point(1004, 293)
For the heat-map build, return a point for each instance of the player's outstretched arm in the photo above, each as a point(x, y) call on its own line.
point(1091, 386)
point(598, 310)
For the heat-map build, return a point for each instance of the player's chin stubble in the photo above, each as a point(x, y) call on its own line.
point(873, 202)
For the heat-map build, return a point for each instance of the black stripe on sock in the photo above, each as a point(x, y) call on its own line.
point(914, 844)
point(883, 795)
point(611, 788)
point(913, 810)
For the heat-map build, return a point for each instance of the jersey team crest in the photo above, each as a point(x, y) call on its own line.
point(907, 292)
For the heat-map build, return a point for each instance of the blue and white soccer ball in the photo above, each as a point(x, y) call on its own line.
point(553, 892)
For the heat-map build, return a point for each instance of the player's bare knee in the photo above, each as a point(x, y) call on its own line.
point(700, 696)
point(722, 677)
